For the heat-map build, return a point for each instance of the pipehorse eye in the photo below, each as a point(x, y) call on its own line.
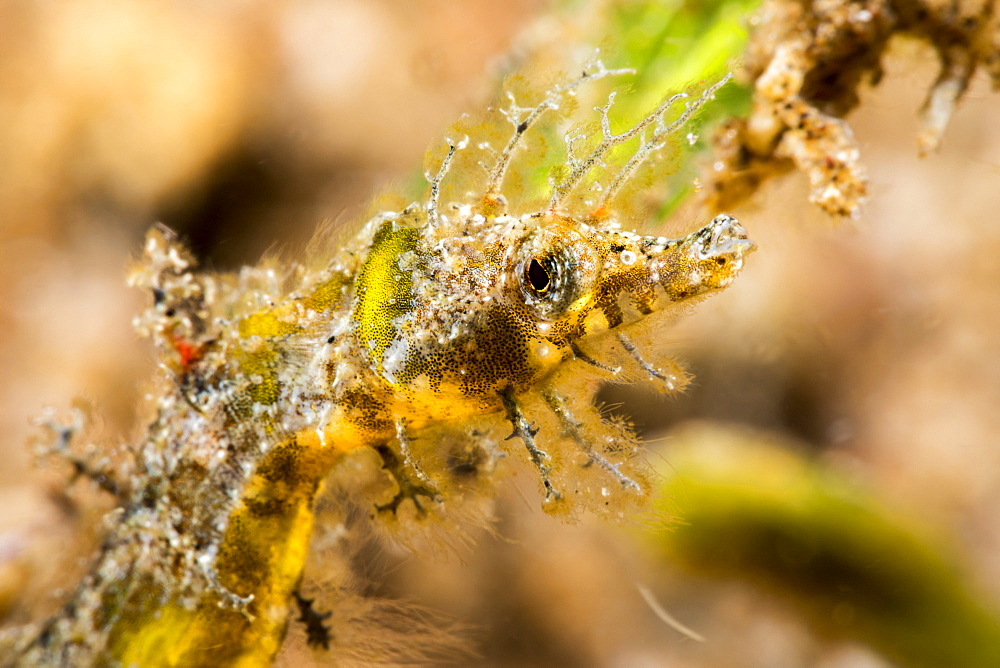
point(538, 276)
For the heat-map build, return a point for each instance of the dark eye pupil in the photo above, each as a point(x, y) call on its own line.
point(538, 277)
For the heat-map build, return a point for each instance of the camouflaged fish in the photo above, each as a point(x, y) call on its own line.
point(486, 305)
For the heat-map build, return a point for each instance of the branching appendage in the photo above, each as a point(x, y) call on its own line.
point(524, 431)
point(404, 447)
point(57, 440)
point(655, 143)
point(574, 429)
point(669, 381)
point(581, 355)
point(523, 118)
point(581, 167)
point(401, 471)
point(435, 181)
point(318, 633)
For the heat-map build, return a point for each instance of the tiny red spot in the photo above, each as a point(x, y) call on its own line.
point(189, 353)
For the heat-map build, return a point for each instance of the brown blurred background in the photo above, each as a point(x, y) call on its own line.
point(874, 344)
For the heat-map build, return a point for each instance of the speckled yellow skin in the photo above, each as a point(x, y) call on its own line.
point(444, 327)
point(489, 310)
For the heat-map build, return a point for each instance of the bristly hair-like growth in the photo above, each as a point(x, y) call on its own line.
point(503, 298)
